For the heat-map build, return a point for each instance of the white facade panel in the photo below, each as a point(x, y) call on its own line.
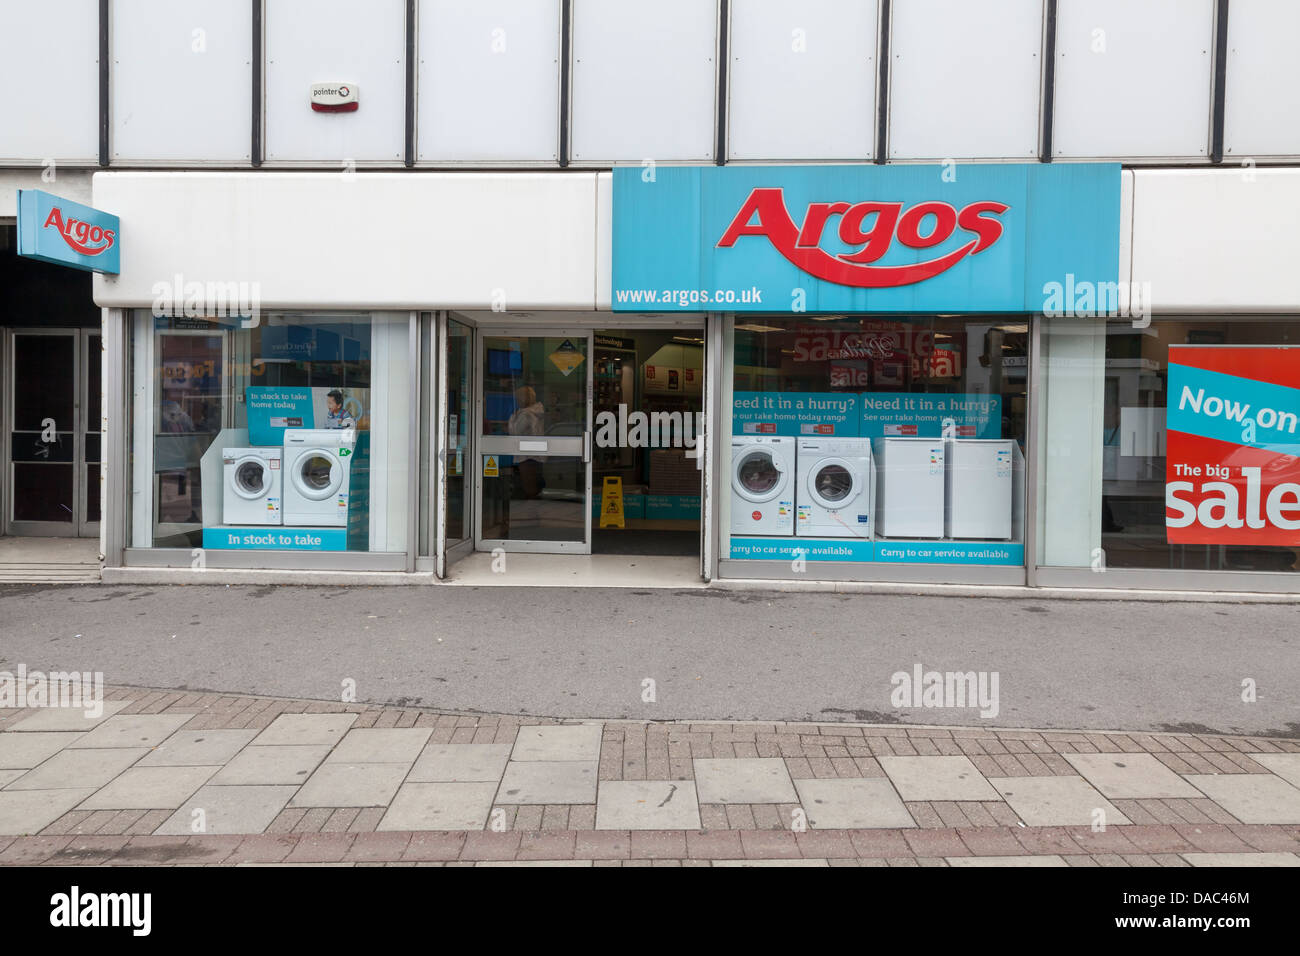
point(802, 84)
point(368, 241)
point(1210, 240)
point(329, 41)
point(1262, 95)
point(182, 81)
point(965, 79)
point(644, 80)
point(489, 81)
point(1133, 78)
point(49, 58)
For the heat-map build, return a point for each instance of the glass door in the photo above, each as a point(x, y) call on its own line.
point(48, 424)
point(91, 434)
point(533, 457)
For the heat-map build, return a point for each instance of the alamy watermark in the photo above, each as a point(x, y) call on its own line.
point(637, 429)
point(192, 299)
point(946, 689)
point(74, 689)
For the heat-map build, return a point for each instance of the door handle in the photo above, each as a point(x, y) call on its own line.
point(586, 447)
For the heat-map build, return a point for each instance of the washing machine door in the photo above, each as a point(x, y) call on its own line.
point(250, 478)
point(833, 483)
point(317, 474)
point(757, 476)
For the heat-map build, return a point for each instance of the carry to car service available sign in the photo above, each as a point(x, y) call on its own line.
point(948, 237)
point(1233, 451)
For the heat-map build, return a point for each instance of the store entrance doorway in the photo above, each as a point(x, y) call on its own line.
point(52, 427)
point(533, 460)
point(648, 405)
point(584, 441)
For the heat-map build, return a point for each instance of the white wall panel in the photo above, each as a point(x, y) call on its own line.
point(803, 79)
point(329, 41)
point(1217, 239)
point(376, 240)
point(49, 66)
point(965, 79)
point(1262, 102)
point(644, 80)
point(182, 81)
point(1133, 78)
point(489, 81)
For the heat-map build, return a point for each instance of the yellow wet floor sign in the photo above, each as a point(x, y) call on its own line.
point(611, 503)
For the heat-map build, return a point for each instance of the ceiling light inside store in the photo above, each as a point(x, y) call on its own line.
point(752, 327)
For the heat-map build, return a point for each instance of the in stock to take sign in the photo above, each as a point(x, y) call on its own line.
point(861, 238)
point(61, 231)
point(1232, 472)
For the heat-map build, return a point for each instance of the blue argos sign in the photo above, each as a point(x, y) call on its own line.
point(861, 238)
point(67, 233)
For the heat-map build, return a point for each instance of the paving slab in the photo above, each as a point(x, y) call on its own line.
point(351, 785)
point(198, 748)
point(150, 788)
point(1286, 766)
point(850, 804)
point(440, 806)
point(972, 861)
point(1251, 797)
point(937, 778)
point(67, 718)
point(1242, 859)
point(73, 769)
point(744, 780)
point(532, 863)
point(228, 810)
point(133, 730)
point(1131, 776)
point(30, 811)
point(575, 742)
point(286, 764)
point(1056, 801)
point(381, 745)
point(22, 751)
point(548, 781)
point(9, 776)
point(460, 763)
point(305, 729)
point(647, 805)
point(794, 861)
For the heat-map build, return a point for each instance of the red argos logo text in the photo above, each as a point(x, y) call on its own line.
point(801, 244)
point(81, 236)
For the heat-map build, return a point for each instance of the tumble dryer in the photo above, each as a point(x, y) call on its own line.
point(251, 490)
point(762, 484)
point(833, 494)
point(317, 469)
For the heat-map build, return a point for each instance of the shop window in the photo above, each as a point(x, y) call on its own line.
point(882, 440)
point(1171, 446)
point(288, 435)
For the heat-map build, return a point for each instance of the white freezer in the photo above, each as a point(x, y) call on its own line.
point(980, 472)
point(909, 483)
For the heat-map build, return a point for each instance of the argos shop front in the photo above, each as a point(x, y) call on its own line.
point(911, 374)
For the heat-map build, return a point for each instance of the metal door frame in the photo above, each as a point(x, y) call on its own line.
point(482, 443)
point(77, 527)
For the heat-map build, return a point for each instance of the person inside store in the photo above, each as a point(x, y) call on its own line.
point(336, 415)
point(528, 418)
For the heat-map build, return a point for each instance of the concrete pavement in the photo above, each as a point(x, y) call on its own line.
point(710, 654)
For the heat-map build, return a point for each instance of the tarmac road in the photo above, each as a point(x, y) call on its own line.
point(712, 654)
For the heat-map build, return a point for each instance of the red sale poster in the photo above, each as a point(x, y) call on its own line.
point(1232, 472)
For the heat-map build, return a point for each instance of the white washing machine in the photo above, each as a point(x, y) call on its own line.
point(762, 484)
point(833, 495)
point(317, 467)
point(251, 492)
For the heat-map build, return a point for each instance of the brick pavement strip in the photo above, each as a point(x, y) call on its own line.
point(1161, 830)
